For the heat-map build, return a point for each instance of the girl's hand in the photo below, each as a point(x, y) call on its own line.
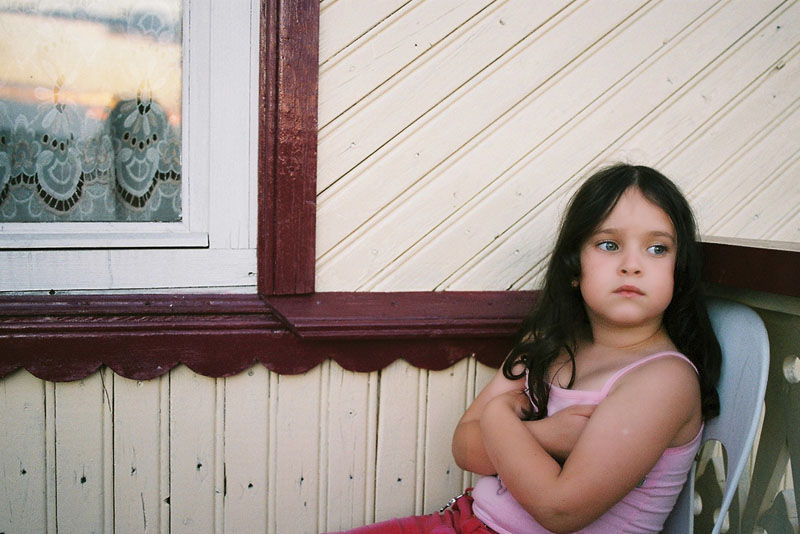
point(559, 432)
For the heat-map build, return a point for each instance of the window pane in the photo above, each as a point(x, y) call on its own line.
point(90, 110)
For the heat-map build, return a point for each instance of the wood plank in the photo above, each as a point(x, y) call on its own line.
point(38, 270)
point(745, 62)
point(514, 264)
point(401, 315)
point(23, 490)
point(373, 406)
point(272, 455)
point(356, 134)
point(80, 453)
point(750, 63)
point(728, 202)
point(220, 482)
point(445, 406)
point(746, 143)
point(495, 173)
point(197, 140)
point(339, 27)
point(138, 493)
point(192, 429)
point(296, 459)
point(288, 146)
point(231, 109)
point(403, 36)
point(345, 439)
point(51, 495)
point(107, 378)
point(407, 158)
point(246, 450)
point(254, 140)
point(398, 419)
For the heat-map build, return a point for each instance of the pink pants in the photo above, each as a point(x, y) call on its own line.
point(458, 519)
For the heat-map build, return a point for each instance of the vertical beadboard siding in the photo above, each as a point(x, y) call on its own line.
point(83, 450)
point(246, 464)
point(138, 492)
point(345, 453)
point(446, 165)
point(192, 427)
point(398, 426)
point(297, 428)
point(256, 452)
point(23, 470)
point(445, 403)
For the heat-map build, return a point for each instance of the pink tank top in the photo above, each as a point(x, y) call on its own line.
point(643, 510)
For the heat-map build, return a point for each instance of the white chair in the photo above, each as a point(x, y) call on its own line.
point(745, 363)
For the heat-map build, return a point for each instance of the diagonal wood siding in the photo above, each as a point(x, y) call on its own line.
point(451, 132)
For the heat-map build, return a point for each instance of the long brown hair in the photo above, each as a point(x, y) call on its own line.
point(558, 319)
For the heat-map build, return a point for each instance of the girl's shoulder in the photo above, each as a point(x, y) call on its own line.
point(668, 366)
point(667, 381)
point(668, 358)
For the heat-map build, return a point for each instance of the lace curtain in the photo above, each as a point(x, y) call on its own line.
point(90, 110)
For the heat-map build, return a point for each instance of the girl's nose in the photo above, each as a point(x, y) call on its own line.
point(630, 265)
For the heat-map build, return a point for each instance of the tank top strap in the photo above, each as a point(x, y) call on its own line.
point(628, 368)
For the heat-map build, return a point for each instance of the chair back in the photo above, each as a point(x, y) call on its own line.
point(743, 381)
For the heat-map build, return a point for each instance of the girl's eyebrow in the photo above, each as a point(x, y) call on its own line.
point(658, 233)
point(653, 233)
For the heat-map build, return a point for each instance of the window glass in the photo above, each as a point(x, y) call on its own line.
point(90, 110)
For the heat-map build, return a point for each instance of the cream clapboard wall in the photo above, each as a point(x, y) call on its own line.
point(460, 127)
point(450, 132)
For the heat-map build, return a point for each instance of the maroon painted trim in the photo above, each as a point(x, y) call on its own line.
point(748, 267)
point(288, 146)
point(143, 336)
point(404, 315)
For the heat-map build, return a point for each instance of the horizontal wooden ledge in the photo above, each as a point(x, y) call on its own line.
point(67, 337)
point(130, 304)
point(407, 314)
point(64, 338)
point(314, 316)
point(754, 265)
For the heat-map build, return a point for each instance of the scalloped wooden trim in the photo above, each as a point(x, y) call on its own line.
point(64, 338)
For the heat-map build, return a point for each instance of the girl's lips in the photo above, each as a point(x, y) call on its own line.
point(628, 291)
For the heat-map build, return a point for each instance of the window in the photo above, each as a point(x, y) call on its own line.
point(110, 212)
point(91, 103)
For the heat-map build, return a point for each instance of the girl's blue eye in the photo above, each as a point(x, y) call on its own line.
point(658, 250)
point(608, 246)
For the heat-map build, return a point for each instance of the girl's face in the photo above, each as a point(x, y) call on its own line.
point(628, 264)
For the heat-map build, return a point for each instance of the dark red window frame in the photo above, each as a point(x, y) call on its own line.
point(287, 326)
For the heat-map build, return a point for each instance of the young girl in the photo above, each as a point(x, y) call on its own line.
point(594, 420)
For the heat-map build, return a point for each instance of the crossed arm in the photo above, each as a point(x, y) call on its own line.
point(605, 451)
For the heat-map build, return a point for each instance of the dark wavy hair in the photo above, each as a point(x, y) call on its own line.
point(558, 319)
